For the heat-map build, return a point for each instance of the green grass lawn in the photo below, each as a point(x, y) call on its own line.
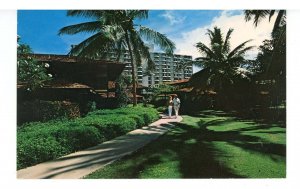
point(210, 144)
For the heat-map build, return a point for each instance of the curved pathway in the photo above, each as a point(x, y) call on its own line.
point(82, 163)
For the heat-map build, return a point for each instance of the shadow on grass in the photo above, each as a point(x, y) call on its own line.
point(202, 162)
point(191, 146)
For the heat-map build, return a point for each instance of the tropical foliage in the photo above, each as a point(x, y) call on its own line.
point(275, 49)
point(30, 72)
point(271, 59)
point(258, 15)
point(222, 67)
point(117, 30)
point(123, 90)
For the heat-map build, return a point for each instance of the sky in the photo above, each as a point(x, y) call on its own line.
point(39, 29)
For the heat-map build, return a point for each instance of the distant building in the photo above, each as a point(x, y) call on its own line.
point(167, 68)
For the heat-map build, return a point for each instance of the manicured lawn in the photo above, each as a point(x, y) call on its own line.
point(210, 144)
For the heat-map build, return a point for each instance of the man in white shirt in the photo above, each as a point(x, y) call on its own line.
point(176, 105)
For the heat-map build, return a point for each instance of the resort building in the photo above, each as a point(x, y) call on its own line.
point(168, 68)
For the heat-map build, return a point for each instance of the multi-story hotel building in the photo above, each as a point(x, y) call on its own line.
point(167, 68)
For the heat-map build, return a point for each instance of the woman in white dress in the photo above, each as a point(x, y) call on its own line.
point(176, 104)
point(170, 106)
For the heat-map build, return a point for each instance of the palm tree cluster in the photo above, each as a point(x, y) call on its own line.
point(221, 65)
point(116, 30)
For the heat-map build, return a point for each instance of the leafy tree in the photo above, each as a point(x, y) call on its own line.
point(222, 67)
point(116, 30)
point(29, 71)
point(272, 55)
point(122, 90)
point(163, 89)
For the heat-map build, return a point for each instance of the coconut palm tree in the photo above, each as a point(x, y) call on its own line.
point(116, 30)
point(222, 67)
point(275, 58)
point(278, 33)
point(258, 15)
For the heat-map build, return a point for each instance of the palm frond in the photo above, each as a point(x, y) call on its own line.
point(238, 48)
point(135, 50)
point(157, 38)
point(202, 48)
point(256, 15)
point(87, 27)
point(272, 12)
point(243, 51)
point(138, 14)
point(215, 36)
point(143, 50)
point(95, 46)
point(114, 32)
point(226, 46)
point(86, 13)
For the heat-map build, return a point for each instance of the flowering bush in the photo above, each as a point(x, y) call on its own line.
point(30, 71)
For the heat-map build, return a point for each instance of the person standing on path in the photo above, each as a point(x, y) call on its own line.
point(176, 104)
point(170, 106)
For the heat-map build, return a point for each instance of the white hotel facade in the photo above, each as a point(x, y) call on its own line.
point(166, 68)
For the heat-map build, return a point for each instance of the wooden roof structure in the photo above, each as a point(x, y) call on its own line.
point(93, 73)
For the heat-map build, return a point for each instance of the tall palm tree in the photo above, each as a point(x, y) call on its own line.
point(221, 65)
point(116, 30)
point(258, 15)
point(279, 28)
point(276, 61)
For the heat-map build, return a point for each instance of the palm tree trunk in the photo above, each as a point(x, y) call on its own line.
point(134, 100)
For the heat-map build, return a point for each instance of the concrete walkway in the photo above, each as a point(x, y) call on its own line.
point(82, 163)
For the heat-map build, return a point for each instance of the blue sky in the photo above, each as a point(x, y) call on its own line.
point(39, 29)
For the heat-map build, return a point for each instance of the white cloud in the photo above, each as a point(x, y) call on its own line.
point(243, 31)
point(169, 15)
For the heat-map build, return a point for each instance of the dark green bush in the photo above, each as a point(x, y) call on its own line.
point(33, 150)
point(39, 142)
point(149, 114)
point(109, 126)
point(39, 110)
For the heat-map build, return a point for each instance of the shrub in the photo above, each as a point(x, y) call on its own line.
point(38, 142)
point(33, 150)
point(109, 126)
point(29, 71)
point(39, 110)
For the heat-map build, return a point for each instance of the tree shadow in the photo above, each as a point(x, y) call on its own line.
point(197, 157)
point(192, 147)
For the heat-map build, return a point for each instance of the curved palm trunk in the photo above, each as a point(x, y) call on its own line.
point(133, 72)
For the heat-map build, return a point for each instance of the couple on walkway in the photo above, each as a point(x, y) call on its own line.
point(174, 102)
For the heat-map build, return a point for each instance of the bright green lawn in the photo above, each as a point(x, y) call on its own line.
point(210, 144)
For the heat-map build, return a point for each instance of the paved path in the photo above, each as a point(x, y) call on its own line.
point(80, 164)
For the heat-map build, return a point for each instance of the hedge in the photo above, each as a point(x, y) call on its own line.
point(40, 110)
point(38, 142)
